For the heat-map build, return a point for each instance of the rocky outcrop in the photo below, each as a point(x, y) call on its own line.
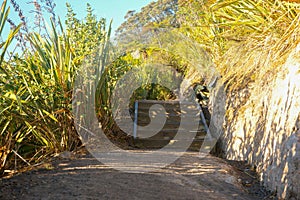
point(260, 123)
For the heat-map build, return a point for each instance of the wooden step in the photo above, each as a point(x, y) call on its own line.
point(173, 130)
point(188, 126)
point(146, 104)
point(173, 114)
point(167, 102)
point(168, 134)
point(169, 122)
point(158, 144)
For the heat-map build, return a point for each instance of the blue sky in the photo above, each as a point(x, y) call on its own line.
point(109, 9)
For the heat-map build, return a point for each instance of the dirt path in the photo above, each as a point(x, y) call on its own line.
point(84, 177)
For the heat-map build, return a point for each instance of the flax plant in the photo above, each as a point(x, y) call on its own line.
point(5, 139)
point(35, 109)
point(36, 119)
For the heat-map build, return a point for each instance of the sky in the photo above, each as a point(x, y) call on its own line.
point(109, 9)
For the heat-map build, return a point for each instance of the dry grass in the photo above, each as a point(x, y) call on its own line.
point(258, 58)
point(247, 39)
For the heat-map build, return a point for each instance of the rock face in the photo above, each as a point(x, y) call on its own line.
point(260, 123)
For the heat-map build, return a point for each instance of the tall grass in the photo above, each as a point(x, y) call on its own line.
point(36, 118)
point(218, 25)
point(237, 31)
point(5, 139)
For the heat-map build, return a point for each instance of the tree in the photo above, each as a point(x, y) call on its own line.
point(86, 35)
point(140, 27)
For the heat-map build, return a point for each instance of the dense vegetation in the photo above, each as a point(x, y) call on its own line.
point(36, 85)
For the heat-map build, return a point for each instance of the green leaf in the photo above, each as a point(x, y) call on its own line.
point(50, 115)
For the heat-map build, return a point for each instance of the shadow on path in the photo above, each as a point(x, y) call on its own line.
point(84, 177)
